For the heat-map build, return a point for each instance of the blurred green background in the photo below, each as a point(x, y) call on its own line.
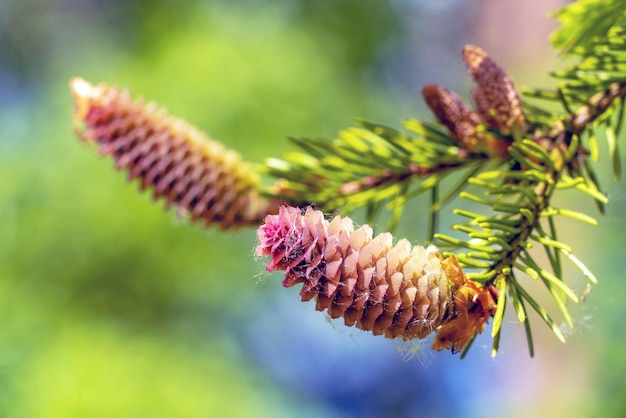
point(112, 307)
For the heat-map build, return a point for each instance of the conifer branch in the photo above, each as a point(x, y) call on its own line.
point(512, 156)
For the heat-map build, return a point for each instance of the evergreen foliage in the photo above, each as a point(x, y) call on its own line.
point(553, 150)
point(515, 150)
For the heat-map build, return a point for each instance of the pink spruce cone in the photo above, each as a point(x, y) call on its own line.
point(399, 291)
point(203, 178)
point(497, 100)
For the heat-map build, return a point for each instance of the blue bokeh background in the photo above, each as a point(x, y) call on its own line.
point(111, 306)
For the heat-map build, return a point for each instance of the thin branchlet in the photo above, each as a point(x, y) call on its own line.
point(576, 123)
point(598, 104)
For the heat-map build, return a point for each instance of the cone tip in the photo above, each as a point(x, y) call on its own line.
point(80, 87)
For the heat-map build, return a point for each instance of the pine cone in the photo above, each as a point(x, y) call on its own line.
point(497, 100)
point(199, 175)
point(396, 290)
point(452, 112)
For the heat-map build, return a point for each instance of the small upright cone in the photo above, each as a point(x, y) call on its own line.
point(452, 112)
point(497, 100)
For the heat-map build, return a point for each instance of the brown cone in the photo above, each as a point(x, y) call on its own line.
point(452, 112)
point(497, 99)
